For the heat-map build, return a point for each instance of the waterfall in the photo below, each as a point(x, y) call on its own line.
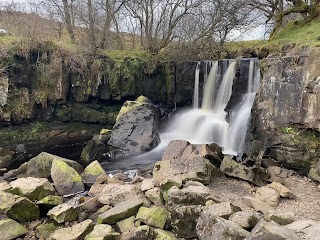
point(211, 122)
point(196, 87)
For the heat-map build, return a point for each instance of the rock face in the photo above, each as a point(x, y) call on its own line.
point(136, 129)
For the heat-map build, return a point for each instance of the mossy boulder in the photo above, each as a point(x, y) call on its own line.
point(18, 208)
point(76, 232)
point(10, 229)
point(32, 188)
point(92, 172)
point(160, 234)
point(64, 213)
point(65, 178)
point(40, 166)
point(50, 201)
point(154, 216)
point(103, 231)
point(45, 230)
point(126, 224)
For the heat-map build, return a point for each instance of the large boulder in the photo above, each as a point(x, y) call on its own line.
point(66, 179)
point(307, 229)
point(154, 216)
point(18, 208)
point(92, 172)
point(136, 129)
point(40, 166)
point(64, 212)
point(10, 229)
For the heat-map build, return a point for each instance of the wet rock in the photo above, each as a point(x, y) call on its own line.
point(40, 166)
point(64, 213)
point(45, 230)
point(280, 218)
point(219, 229)
point(258, 205)
point(271, 230)
point(154, 216)
point(66, 179)
point(136, 128)
point(126, 224)
point(18, 208)
point(103, 231)
point(32, 188)
point(94, 150)
point(140, 232)
point(113, 194)
point(245, 219)
point(147, 184)
point(183, 221)
point(191, 195)
point(92, 172)
point(232, 168)
point(282, 190)
point(175, 150)
point(168, 173)
point(121, 211)
point(10, 229)
point(5, 158)
point(268, 195)
point(155, 196)
point(76, 232)
point(160, 234)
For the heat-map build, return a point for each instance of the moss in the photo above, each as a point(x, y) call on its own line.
point(94, 168)
point(67, 170)
point(10, 229)
point(155, 216)
point(50, 200)
point(45, 230)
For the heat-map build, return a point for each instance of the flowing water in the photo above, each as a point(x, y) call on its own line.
point(196, 87)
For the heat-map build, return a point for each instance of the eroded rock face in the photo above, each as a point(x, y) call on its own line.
point(136, 129)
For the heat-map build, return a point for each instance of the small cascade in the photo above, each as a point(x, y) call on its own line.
point(196, 87)
point(209, 88)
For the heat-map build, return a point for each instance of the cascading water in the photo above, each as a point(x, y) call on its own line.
point(196, 87)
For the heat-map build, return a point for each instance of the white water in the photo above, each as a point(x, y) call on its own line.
point(209, 123)
point(196, 87)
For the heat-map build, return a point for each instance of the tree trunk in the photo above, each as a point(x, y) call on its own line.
point(92, 36)
point(68, 20)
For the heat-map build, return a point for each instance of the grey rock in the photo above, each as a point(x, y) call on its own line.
point(76, 232)
point(280, 218)
point(125, 225)
point(268, 195)
point(258, 205)
point(141, 232)
point(103, 232)
point(282, 190)
point(147, 184)
point(10, 229)
point(160, 234)
point(91, 173)
point(155, 196)
point(154, 216)
point(307, 229)
point(223, 210)
point(246, 219)
point(64, 212)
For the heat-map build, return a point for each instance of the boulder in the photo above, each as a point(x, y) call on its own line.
point(191, 195)
point(121, 211)
point(89, 204)
point(314, 172)
point(154, 216)
point(246, 219)
point(280, 218)
point(282, 190)
point(308, 229)
point(257, 176)
point(64, 212)
point(92, 172)
point(94, 150)
point(32, 188)
point(271, 230)
point(155, 196)
point(223, 210)
point(76, 232)
point(136, 128)
point(10, 229)
point(268, 195)
point(5, 158)
point(167, 173)
point(147, 184)
point(4, 186)
point(160, 234)
point(183, 221)
point(94, 216)
point(219, 229)
point(258, 205)
point(125, 225)
point(18, 208)
point(141, 232)
point(113, 194)
point(66, 179)
point(50, 201)
point(103, 231)
point(44, 231)
point(40, 166)
point(278, 174)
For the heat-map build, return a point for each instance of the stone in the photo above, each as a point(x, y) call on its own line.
point(40, 166)
point(307, 229)
point(50, 201)
point(232, 168)
point(10, 229)
point(65, 179)
point(167, 173)
point(280, 218)
point(94, 216)
point(113, 194)
point(147, 184)
point(126, 224)
point(299, 225)
point(271, 230)
point(160, 234)
point(191, 195)
point(89, 204)
point(175, 149)
point(4, 186)
point(91, 173)
point(103, 232)
point(245, 219)
point(141, 232)
point(32, 188)
point(258, 205)
point(64, 213)
point(18, 208)
point(45, 230)
point(314, 172)
point(136, 128)
point(223, 210)
point(5, 156)
point(76, 232)
point(278, 174)
point(94, 150)
point(154, 195)
point(121, 211)
point(282, 190)
point(268, 195)
point(154, 216)
point(219, 229)
point(183, 221)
